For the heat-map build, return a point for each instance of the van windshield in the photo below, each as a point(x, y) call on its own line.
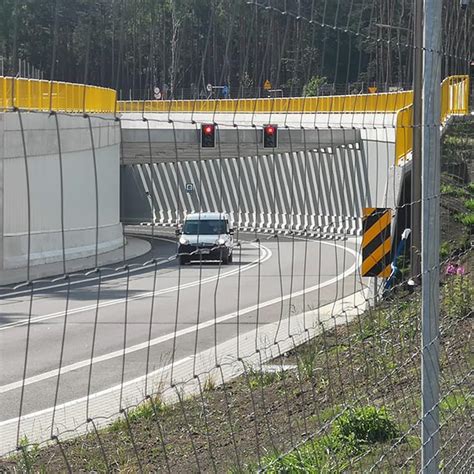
point(205, 227)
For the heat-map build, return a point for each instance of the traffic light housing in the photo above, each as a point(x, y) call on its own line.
point(270, 136)
point(208, 135)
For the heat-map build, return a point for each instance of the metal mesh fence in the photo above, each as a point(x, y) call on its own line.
point(210, 285)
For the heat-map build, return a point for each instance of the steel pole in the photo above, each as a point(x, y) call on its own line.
point(430, 234)
point(415, 253)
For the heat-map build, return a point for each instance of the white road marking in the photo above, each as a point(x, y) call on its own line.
point(266, 255)
point(97, 394)
point(190, 329)
point(88, 280)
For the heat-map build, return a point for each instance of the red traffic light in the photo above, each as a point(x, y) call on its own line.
point(208, 129)
point(270, 136)
point(269, 129)
point(208, 135)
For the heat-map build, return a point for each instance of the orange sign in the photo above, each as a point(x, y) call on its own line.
point(372, 90)
point(267, 85)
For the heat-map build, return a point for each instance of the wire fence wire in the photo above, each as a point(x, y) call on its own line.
point(121, 354)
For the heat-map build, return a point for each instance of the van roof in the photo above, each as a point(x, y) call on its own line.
point(207, 216)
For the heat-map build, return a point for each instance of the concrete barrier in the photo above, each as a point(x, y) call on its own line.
point(59, 195)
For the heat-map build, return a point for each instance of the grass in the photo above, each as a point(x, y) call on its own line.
point(350, 386)
point(466, 219)
point(457, 296)
point(262, 378)
point(351, 434)
point(144, 411)
point(456, 401)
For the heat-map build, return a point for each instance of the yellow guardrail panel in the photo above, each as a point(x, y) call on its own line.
point(376, 103)
point(454, 101)
point(33, 94)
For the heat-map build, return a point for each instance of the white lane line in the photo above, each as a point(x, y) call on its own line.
point(266, 255)
point(88, 280)
point(97, 394)
point(183, 332)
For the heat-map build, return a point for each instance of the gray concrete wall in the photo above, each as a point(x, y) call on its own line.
point(51, 202)
point(320, 191)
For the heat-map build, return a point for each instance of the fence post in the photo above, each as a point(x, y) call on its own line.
point(430, 235)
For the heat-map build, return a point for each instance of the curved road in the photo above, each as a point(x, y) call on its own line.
point(160, 312)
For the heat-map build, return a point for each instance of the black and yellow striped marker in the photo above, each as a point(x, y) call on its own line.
point(376, 242)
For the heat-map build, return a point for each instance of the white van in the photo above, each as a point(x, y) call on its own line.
point(206, 236)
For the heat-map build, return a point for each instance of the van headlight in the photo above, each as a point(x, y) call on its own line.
point(183, 240)
point(220, 241)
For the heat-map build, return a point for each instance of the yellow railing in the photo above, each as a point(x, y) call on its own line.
point(33, 94)
point(383, 102)
point(454, 101)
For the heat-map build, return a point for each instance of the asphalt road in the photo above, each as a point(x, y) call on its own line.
point(160, 312)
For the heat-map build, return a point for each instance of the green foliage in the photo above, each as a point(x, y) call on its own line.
point(466, 219)
point(458, 296)
point(456, 401)
point(366, 425)
point(455, 191)
point(262, 378)
point(306, 361)
point(445, 250)
point(352, 434)
point(28, 456)
point(470, 204)
point(311, 89)
point(143, 411)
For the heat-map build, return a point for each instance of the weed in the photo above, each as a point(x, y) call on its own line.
point(28, 456)
point(351, 434)
point(469, 203)
point(306, 362)
point(143, 411)
point(366, 424)
point(445, 250)
point(458, 296)
point(262, 378)
point(451, 190)
point(456, 401)
point(209, 384)
point(466, 219)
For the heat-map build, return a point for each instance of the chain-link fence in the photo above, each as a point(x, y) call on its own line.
point(233, 288)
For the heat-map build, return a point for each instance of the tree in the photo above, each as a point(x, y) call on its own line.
point(312, 88)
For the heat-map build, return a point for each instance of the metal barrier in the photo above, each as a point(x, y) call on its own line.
point(361, 103)
point(454, 101)
point(33, 94)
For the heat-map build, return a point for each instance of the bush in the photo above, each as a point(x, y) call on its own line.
point(367, 425)
point(350, 435)
point(311, 89)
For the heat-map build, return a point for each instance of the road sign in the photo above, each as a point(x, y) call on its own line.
point(157, 93)
point(267, 85)
point(373, 90)
point(189, 187)
point(376, 242)
point(209, 87)
point(225, 92)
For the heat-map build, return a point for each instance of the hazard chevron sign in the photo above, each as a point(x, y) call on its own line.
point(376, 242)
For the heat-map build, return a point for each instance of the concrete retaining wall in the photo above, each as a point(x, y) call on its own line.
point(320, 191)
point(56, 204)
